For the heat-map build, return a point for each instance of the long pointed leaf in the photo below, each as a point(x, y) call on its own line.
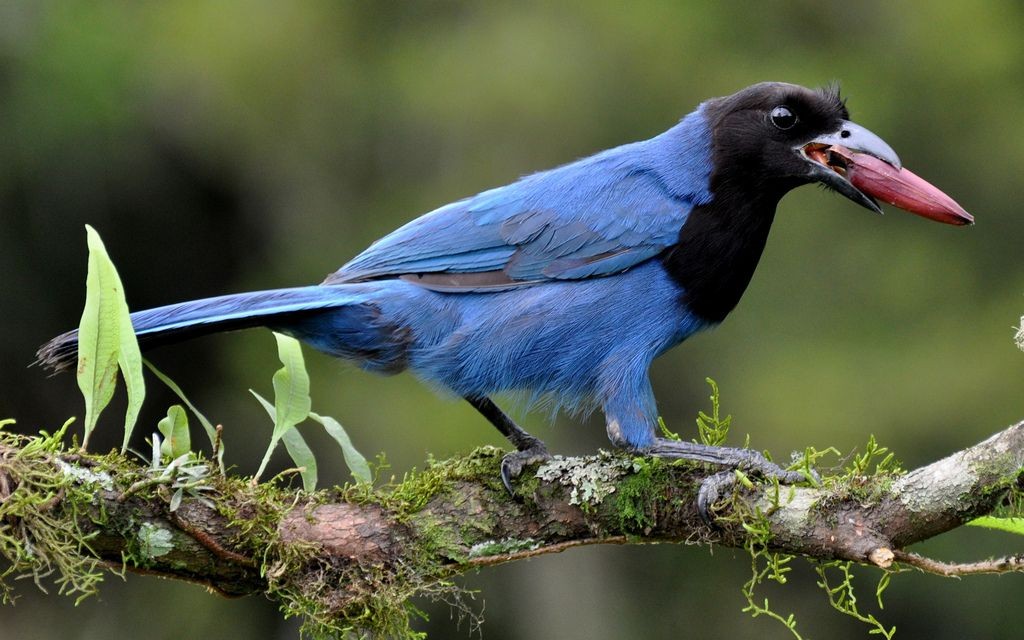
point(274, 437)
point(303, 457)
point(98, 334)
point(296, 445)
point(353, 459)
point(129, 360)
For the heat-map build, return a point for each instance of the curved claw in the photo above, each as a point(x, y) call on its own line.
point(512, 464)
point(710, 490)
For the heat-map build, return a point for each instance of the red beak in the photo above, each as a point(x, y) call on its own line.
point(901, 188)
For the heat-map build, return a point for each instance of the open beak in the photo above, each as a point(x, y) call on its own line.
point(862, 167)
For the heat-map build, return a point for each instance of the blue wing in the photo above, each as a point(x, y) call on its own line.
point(595, 217)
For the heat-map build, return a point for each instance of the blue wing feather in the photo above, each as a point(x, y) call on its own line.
point(595, 217)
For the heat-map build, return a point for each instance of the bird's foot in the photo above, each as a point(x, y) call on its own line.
point(714, 486)
point(512, 464)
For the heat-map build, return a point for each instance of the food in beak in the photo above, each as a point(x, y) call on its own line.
point(898, 187)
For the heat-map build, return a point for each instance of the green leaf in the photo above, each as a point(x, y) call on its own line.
point(355, 460)
point(211, 432)
point(1011, 525)
point(291, 386)
point(154, 541)
point(303, 457)
point(267, 405)
point(291, 393)
point(176, 500)
point(106, 342)
point(296, 445)
point(129, 360)
point(174, 428)
point(97, 338)
point(273, 439)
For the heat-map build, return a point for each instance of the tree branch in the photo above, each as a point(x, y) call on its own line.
point(340, 553)
point(957, 569)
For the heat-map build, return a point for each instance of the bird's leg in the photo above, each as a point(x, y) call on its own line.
point(632, 423)
point(529, 449)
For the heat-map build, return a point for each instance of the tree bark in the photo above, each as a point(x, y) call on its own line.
point(334, 551)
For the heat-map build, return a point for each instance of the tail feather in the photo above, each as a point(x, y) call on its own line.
point(177, 322)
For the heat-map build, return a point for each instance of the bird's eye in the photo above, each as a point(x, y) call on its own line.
point(783, 118)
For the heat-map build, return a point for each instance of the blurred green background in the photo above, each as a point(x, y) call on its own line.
point(225, 146)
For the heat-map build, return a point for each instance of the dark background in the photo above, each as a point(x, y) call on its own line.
point(225, 146)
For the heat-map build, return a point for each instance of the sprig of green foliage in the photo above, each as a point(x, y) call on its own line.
point(843, 599)
point(765, 565)
point(107, 343)
point(212, 433)
point(713, 429)
point(665, 431)
point(187, 474)
point(882, 458)
point(808, 461)
point(292, 405)
point(772, 566)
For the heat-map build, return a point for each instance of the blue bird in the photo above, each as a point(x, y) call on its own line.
point(568, 283)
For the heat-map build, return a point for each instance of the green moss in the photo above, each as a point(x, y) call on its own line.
point(418, 488)
point(639, 493)
point(1008, 492)
point(39, 518)
point(377, 599)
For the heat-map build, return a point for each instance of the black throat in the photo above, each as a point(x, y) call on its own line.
point(754, 162)
point(721, 242)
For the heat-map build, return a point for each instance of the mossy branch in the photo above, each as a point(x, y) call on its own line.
point(350, 557)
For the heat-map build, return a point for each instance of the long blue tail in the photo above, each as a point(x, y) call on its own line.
point(177, 322)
